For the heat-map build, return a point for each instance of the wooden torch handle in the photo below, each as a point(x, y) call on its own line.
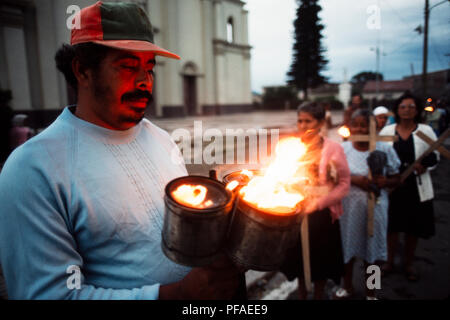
point(305, 253)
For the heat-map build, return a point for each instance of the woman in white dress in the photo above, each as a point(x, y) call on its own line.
point(355, 241)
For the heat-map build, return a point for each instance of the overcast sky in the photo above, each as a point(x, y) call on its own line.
point(347, 38)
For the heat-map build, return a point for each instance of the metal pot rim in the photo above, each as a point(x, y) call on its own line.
point(196, 211)
point(262, 217)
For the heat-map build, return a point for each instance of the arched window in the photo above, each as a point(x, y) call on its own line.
point(230, 30)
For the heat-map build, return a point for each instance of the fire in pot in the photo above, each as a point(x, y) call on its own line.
point(196, 220)
point(267, 218)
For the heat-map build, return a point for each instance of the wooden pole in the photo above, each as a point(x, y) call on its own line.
point(305, 253)
point(361, 137)
point(372, 138)
point(425, 50)
point(433, 147)
point(444, 152)
point(370, 195)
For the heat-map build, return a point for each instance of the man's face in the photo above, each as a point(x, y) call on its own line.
point(356, 101)
point(122, 88)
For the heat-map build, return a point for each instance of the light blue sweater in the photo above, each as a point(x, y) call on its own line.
point(81, 195)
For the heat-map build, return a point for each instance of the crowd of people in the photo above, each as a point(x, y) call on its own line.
point(401, 207)
point(87, 193)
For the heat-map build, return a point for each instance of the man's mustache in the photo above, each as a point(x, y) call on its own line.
point(137, 95)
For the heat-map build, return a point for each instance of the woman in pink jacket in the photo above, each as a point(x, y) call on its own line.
point(328, 182)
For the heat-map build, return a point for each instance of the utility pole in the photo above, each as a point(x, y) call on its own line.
point(377, 76)
point(425, 45)
point(425, 50)
point(377, 72)
point(377, 67)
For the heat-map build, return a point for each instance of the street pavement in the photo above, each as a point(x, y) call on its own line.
point(432, 256)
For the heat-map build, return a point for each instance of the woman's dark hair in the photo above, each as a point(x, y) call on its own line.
point(89, 54)
point(417, 102)
point(313, 108)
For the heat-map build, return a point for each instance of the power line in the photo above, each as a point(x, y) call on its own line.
point(397, 14)
point(437, 54)
point(410, 39)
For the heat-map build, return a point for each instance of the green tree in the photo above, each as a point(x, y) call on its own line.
point(278, 97)
point(308, 58)
point(360, 79)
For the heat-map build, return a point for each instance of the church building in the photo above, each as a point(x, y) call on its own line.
point(211, 36)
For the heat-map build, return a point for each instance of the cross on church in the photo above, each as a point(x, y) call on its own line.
point(372, 138)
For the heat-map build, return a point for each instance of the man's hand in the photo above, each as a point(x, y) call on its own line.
point(380, 181)
point(218, 281)
point(310, 206)
point(387, 181)
point(419, 168)
point(361, 182)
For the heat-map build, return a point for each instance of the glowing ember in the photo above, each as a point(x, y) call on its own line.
point(208, 203)
point(248, 173)
point(275, 190)
point(192, 196)
point(429, 109)
point(344, 132)
point(232, 185)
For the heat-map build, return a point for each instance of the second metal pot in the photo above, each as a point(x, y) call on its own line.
point(259, 240)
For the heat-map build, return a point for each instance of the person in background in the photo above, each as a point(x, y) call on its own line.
point(384, 165)
point(19, 133)
point(434, 116)
point(381, 114)
point(6, 115)
point(355, 104)
point(443, 106)
point(328, 120)
point(326, 167)
point(410, 204)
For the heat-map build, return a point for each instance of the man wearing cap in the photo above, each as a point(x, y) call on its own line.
point(82, 202)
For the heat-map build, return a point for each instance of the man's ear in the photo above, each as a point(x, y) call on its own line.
point(81, 74)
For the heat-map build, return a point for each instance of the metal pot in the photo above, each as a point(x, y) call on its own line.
point(257, 239)
point(192, 236)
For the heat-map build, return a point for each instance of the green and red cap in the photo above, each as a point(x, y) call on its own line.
point(118, 25)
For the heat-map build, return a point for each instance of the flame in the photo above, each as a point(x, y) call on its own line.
point(232, 185)
point(247, 173)
point(429, 109)
point(274, 190)
point(192, 196)
point(208, 203)
point(244, 178)
point(344, 132)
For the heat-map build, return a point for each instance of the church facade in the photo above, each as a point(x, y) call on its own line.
point(211, 36)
